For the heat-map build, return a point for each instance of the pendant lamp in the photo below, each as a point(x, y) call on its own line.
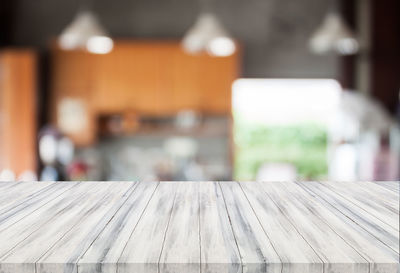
point(208, 34)
point(85, 32)
point(334, 35)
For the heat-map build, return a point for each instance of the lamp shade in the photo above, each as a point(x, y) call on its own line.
point(208, 34)
point(334, 36)
point(85, 32)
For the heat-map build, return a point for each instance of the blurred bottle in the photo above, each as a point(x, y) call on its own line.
point(55, 152)
point(386, 165)
point(78, 171)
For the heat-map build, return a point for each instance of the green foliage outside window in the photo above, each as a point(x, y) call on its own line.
point(303, 145)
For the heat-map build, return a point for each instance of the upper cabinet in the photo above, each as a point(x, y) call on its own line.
point(217, 76)
point(148, 78)
point(128, 78)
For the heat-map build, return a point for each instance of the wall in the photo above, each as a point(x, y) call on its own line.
point(274, 32)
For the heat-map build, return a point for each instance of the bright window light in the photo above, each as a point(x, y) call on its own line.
point(281, 128)
point(286, 101)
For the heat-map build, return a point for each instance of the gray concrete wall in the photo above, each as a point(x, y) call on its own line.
point(274, 33)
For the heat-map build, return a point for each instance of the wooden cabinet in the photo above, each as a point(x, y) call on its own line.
point(131, 78)
point(72, 84)
point(148, 78)
point(216, 83)
point(186, 78)
point(18, 111)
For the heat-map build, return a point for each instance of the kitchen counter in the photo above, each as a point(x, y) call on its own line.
point(185, 227)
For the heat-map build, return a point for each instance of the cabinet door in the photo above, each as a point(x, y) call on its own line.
point(18, 132)
point(186, 79)
point(73, 78)
point(203, 82)
point(164, 99)
point(219, 73)
point(130, 78)
point(72, 69)
point(143, 69)
point(111, 85)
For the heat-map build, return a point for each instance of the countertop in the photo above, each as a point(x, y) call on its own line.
point(185, 227)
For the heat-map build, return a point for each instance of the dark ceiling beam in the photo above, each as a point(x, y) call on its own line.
point(7, 12)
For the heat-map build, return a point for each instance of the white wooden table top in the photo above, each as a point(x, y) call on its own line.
point(186, 227)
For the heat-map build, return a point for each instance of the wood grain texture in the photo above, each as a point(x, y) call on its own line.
point(391, 185)
point(219, 250)
point(181, 246)
point(371, 224)
point(36, 203)
point(25, 254)
point(16, 192)
point(256, 250)
point(296, 254)
point(382, 207)
point(206, 227)
point(336, 253)
point(380, 257)
point(108, 247)
point(78, 239)
point(143, 249)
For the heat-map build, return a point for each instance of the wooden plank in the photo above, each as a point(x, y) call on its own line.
point(380, 257)
point(391, 185)
point(256, 250)
point(375, 205)
point(24, 255)
point(13, 233)
point(26, 206)
point(295, 253)
point(143, 248)
point(181, 247)
point(78, 239)
point(387, 185)
point(5, 185)
point(17, 192)
point(34, 203)
point(371, 224)
point(107, 248)
point(337, 255)
point(206, 227)
point(371, 191)
point(219, 252)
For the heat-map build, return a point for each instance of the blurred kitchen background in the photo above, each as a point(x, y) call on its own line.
point(199, 90)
